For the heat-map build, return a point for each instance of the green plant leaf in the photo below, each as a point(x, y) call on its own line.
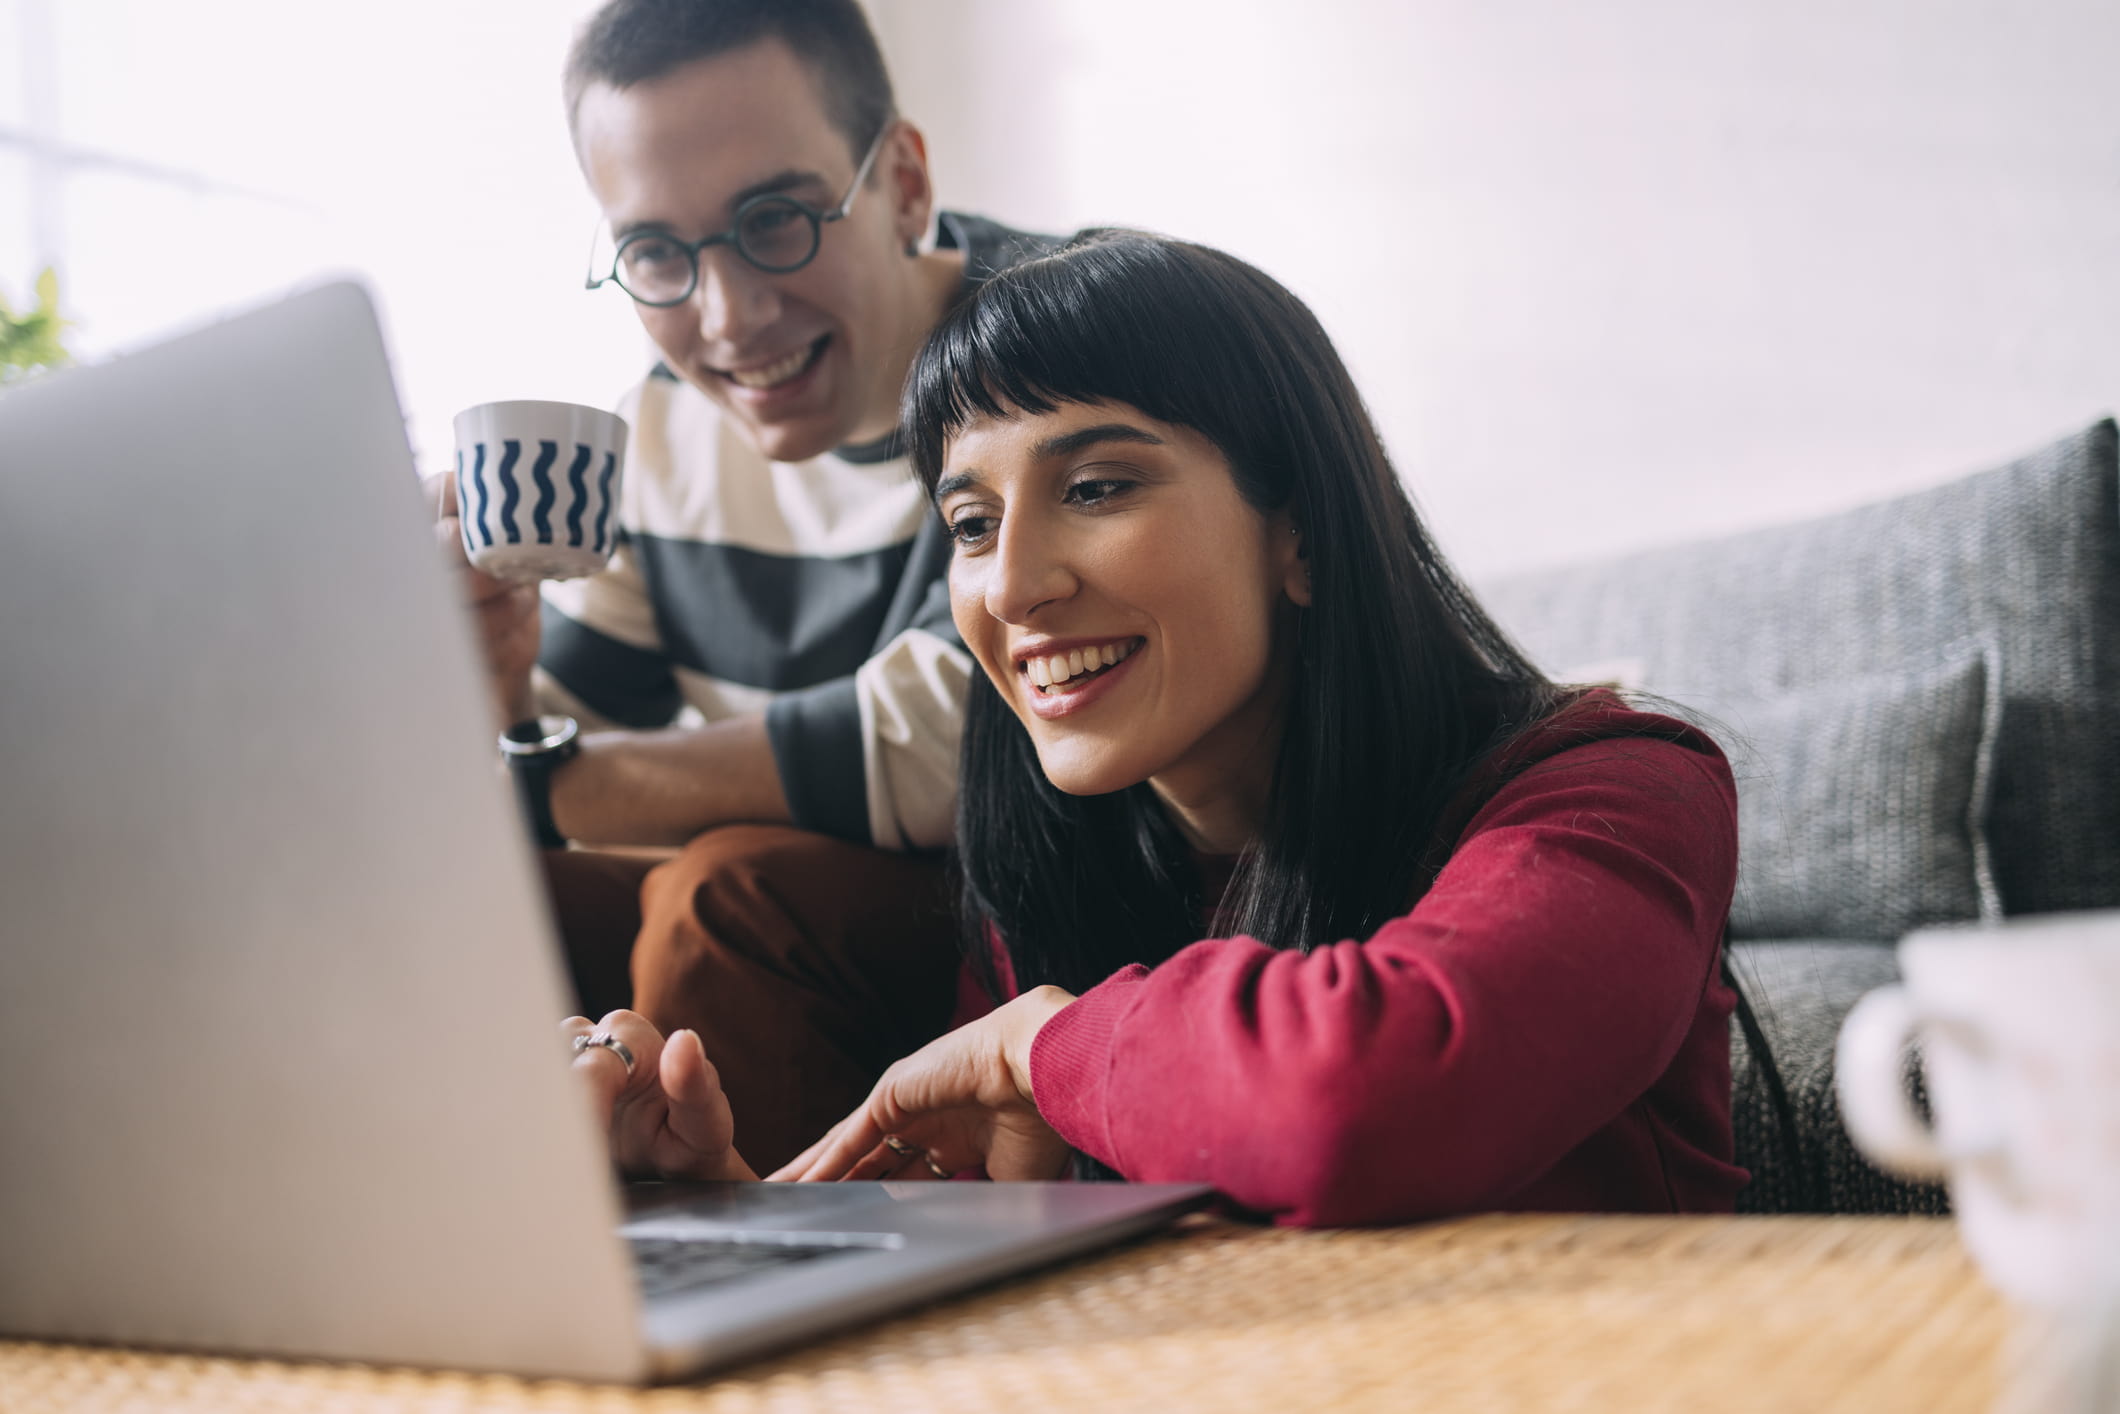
point(33, 339)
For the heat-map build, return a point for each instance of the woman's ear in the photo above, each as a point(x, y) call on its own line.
point(1293, 559)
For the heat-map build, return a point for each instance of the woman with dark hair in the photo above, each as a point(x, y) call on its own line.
point(1283, 869)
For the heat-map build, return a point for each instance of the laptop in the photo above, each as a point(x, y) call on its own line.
point(280, 1070)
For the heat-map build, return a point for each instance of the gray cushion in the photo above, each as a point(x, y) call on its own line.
point(1800, 991)
point(1860, 803)
point(2025, 557)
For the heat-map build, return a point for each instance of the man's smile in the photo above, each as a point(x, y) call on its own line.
point(785, 369)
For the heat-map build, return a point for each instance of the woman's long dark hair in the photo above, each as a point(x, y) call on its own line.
point(1400, 681)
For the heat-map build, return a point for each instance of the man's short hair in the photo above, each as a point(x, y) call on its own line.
point(632, 41)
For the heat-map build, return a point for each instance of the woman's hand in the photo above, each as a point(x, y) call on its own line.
point(668, 1117)
point(956, 1103)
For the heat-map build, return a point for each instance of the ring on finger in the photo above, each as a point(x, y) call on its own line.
point(934, 1168)
point(608, 1042)
point(902, 1149)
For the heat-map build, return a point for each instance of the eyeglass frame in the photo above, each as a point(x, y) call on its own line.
point(694, 249)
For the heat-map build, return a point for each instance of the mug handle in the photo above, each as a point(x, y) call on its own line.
point(1873, 1102)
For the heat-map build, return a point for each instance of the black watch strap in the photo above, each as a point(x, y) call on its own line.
point(532, 749)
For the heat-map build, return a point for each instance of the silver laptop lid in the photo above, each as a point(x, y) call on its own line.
point(278, 1055)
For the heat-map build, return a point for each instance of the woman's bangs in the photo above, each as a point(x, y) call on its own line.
point(1068, 328)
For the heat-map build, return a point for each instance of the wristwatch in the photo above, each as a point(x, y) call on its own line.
point(532, 748)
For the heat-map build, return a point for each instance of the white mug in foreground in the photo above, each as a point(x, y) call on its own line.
point(537, 487)
point(2019, 1028)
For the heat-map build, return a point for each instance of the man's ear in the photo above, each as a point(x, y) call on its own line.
point(1292, 558)
point(904, 167)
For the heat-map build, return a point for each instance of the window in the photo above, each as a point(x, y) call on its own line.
point(174, 162)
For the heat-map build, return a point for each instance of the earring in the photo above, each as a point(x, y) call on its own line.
point(912, 248)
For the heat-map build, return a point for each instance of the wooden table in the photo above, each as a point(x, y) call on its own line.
point(1493, 1313)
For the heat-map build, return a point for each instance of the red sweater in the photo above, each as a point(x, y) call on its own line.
point(1545, 1030)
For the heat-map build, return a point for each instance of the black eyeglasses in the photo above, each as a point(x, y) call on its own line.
point(775, 233)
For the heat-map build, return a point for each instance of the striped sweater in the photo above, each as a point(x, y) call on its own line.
point(812, 591)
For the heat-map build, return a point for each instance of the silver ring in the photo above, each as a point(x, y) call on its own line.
point(609, 1042)
point(902, 1149)
point(936, 1169)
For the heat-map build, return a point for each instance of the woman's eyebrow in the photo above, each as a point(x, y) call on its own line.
point(1068, 443)
point(1063, 445)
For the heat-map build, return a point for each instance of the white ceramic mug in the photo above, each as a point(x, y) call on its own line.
point(537, 487)
point(2019, 1028)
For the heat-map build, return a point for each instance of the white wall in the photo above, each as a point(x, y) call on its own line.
point(1610, 274)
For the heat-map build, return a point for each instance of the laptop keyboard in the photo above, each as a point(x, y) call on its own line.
point(673, 1264)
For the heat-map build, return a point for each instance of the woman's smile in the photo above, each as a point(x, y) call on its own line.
point(1061, 679)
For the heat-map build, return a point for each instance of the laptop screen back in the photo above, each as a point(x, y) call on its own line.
point(279, 1064)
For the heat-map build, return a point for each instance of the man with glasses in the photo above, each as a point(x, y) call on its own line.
point(766, 675)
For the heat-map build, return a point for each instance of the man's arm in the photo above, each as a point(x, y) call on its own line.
point(667, 785)
point(638, 778)
point(656, 786)
point(870, 757)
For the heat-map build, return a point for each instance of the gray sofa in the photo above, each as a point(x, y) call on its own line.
point(1921, 700)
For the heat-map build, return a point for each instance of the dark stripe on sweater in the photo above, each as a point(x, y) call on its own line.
point(816, 737)
point(631, 686)
point(777, 622)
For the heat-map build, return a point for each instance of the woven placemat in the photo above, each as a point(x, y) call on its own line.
point(1496, 1313)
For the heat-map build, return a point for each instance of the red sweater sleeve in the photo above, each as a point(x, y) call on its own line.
point(1563, 961)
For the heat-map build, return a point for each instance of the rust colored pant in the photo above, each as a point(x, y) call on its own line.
point(805, 964)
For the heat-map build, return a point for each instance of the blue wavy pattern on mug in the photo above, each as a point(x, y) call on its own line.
point(511, 493)
point(577, 482)
point(478, 479)
point(541, 473)
point(475, 490)
point(603, 489)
